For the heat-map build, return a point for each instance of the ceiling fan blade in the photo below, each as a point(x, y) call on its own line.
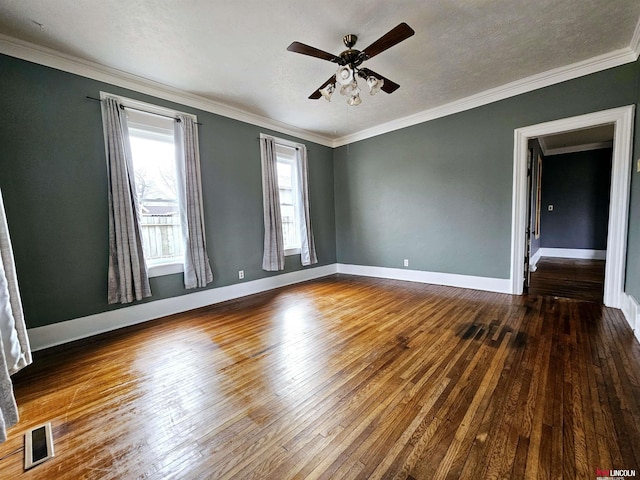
point(316, 95)
point(388, 86)
point(298, 47)
point(388, 40)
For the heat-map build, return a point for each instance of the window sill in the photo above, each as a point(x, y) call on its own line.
point(162, 269)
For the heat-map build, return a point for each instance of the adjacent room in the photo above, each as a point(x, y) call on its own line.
point(340, 241)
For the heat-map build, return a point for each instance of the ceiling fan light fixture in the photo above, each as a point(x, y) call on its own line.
point(344, 75)
point(327, 91)
point(355, 100)
point(374, 84)
point(350, 88)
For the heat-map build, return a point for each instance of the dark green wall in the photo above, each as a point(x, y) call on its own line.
point(440, 193)
point(577, 185)
point(53, 179)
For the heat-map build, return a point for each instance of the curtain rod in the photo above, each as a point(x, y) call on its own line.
point(281, 144)
point(122, 107)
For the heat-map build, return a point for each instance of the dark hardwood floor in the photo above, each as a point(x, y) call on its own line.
point(569, 278)
point(343, 377)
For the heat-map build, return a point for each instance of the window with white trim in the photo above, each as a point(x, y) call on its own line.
point(288, 188)
point(154, 164)
point(153, 151)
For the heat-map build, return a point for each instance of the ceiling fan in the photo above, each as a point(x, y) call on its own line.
point(350, 62)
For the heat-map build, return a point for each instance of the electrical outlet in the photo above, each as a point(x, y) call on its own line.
point(639, 165)
point(240, 274)
point(406, 262)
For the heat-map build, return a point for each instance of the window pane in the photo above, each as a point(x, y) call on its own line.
point(155, 176)
point(284, 175)
point(288, 201)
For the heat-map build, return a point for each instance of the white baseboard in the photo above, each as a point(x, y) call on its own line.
point(631, 311)
point(500, 285)
point(580, 253)
point(78, 328)
point(533, 261)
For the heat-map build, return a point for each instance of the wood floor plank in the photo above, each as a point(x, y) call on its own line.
point(343, 378)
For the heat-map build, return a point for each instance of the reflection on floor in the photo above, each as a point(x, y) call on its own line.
point(569, 278)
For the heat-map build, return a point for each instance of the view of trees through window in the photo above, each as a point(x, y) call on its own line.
point(154, 168)
point(288, 199)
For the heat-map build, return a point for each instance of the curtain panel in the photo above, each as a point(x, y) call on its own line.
point(15, 351)
point(197, 269)
point(307, 242)
point(273, 253)
point(128, 278)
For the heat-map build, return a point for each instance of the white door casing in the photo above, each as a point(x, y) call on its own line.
point(622, 118)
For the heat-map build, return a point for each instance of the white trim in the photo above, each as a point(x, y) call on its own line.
point(67, 63)
point(78, 328)
point(500, 285)
point(631, 311)
point(535, 82)
point(146, 107)
point(579, 253)
point(635, 40)
point(164, 269)
point(533, 261)
point(575, 148)
point(622, 118)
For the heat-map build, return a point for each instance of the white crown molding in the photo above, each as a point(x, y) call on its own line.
point(67, 63)
point(535, 82)
point(78, 328)
point(635, 40)
point(577, 148)
point(543, 145)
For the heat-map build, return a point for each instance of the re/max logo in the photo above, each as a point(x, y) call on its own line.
point(615, 473)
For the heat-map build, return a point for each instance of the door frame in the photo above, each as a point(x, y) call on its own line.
point(622, 118)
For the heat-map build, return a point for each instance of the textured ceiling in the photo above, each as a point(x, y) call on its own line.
point(235, 53)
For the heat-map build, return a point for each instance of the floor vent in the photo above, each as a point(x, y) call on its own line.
point(38, 446)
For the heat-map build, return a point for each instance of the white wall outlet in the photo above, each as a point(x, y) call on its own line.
point(240, 274)
point(639, 165)
point(406, 262)
point(550, 208)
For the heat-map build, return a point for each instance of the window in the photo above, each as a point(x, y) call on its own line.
point(287, 220)
point(153, 153)
point(289, 198)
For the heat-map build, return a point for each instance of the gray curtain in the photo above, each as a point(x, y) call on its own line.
point(307, 243)
point(197, 270)
point(15, 352)
point(128, 279)
point(273, 256)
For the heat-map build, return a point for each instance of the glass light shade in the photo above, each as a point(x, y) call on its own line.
point(328, 91)
point(344, 75)
point(350, 88)
point(354, 100)
point(375, 84)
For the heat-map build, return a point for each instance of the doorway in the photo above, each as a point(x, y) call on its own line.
point(622, 119)
point(570, 184)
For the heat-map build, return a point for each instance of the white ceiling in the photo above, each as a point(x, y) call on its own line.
point(234, 53)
